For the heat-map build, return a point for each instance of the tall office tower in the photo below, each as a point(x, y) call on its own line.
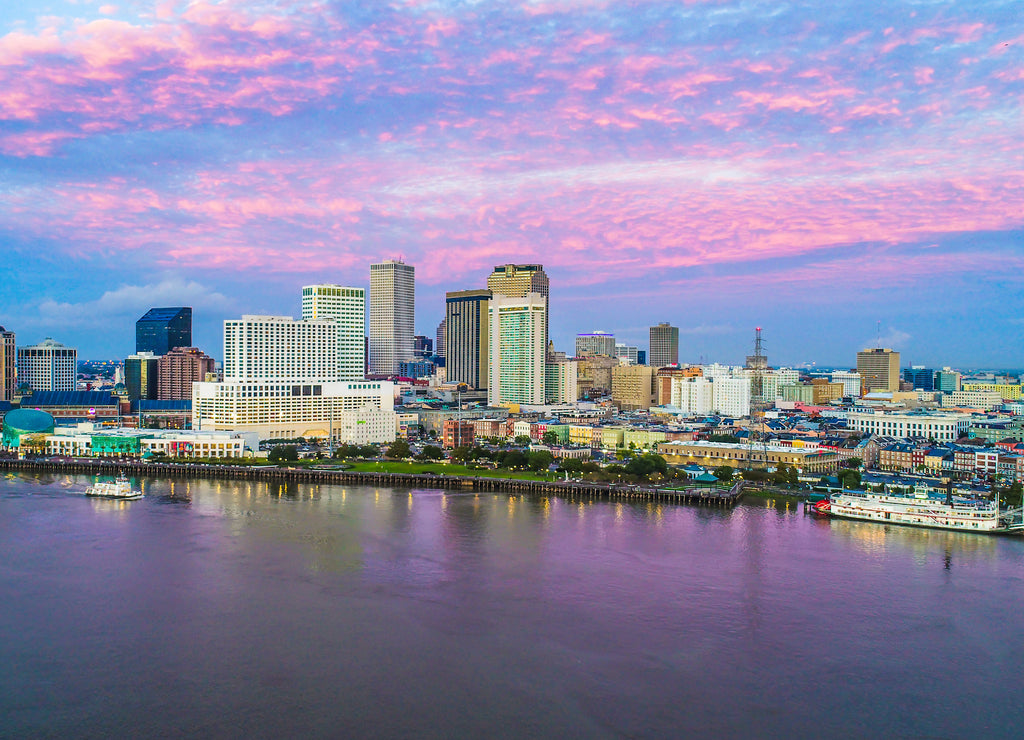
point(8, 362)
point(163, 329)
point(467, 332)
point(879, 369)
point(422, 346)
point(517, 349)
point(346, 307)
point(440, 345)
point(392, 315)
point(595, 343)
point(280, 348)
point(141, 376)
point(517, 281)
point(664, 345)
point(48, 366)
point(179, 369)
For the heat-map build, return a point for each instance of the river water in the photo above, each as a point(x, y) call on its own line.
point(232, 609)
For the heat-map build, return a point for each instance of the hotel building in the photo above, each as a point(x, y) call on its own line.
point(517, 349)
point(346, 307)
point(48, 366)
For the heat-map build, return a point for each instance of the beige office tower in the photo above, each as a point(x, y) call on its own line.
point(7, 364)
point(664, 346)
point(879, 369)
point(466, 337)
point(518, 280)
point(392, 314)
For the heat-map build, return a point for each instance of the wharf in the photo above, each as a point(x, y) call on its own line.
point(566, 489)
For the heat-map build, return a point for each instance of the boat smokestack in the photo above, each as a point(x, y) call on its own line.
point(949, 492)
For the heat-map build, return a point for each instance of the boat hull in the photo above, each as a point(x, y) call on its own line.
point(981, 518)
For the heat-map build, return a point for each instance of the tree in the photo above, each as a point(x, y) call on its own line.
point(432, 452)
point(853, 463)
point(793, 476)
point(513, 459)
point(724, 473)
point(549, 437)
point(645, 465)
point(1012, 495)
point(538, 460)
point(849, 478)
point(462, 454)
point(571, 465)
point(284, 453)
point(522, 440)
point(724, 438)
point(399, 449)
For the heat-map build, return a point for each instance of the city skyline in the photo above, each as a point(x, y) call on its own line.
point(716, 165)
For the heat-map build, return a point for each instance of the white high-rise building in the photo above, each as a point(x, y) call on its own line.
point(392, 316)
point(517, 353)
point(280, 348)
point(728, 396)
point(731, 396)
point(850, 380)
point(692, 396)
point(346, 307)
point(48, 366)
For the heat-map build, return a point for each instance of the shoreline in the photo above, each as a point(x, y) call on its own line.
point(566, 489)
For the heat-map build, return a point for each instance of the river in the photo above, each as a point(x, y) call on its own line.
point(236, 609)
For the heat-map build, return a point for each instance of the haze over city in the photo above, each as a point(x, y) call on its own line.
point(718, 165)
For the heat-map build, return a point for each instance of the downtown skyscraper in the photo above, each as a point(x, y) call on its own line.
point(517, 355)
point(467, 332)
point(163, 329)
point(392, 316)
point(664, 346)
point(346, 307)
point(517, 281)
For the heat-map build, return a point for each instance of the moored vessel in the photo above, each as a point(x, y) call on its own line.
point(120, 488)
point(920, 509)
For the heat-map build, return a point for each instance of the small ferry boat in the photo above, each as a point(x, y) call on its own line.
point(919, 509)
point(121, 488)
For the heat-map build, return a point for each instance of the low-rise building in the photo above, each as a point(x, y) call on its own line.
point(714, 454)
point(88, 440)
point(939, 426)
point(457, 433)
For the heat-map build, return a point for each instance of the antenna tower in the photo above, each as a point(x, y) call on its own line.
point(757, 367)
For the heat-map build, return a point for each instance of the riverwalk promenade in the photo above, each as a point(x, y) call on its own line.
point(571, 489)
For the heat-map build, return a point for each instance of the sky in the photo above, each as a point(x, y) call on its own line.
point(840, 174)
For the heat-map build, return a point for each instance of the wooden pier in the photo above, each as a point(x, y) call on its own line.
point(724, 498)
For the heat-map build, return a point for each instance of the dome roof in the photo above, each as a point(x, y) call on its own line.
point(28, 421)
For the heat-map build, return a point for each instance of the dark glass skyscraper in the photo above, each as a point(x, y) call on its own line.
point(163, 329)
